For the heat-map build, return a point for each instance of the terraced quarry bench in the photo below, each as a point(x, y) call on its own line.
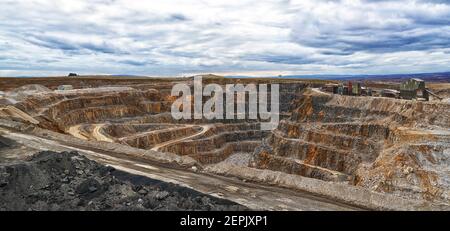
point(387, 145)
point(382, 145)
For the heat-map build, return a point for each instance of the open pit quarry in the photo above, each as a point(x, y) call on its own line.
point(329, 152)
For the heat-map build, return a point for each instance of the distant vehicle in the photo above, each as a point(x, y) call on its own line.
point(73, 74)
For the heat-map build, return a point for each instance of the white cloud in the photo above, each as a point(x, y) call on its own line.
point(178, 37)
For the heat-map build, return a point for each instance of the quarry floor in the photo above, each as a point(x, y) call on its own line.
point(252, 195)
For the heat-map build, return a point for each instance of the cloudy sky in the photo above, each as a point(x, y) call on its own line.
point(242, 37)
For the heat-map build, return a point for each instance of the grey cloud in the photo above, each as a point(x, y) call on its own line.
point(278, 58)
point(49, 42)
point(178, 17)
point(136, 62)
point(115, 36)
point(63, 44)
point(401, 30)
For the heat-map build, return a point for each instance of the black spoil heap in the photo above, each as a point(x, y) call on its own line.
point(69, 181)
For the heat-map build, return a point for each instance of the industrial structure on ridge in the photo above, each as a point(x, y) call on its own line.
point(412, 89)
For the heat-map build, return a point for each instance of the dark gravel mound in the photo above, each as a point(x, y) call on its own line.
point(69, 181)
point(4, 142)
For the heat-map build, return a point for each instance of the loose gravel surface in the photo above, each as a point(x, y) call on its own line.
point(69, 181)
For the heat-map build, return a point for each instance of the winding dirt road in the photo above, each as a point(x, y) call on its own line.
point(75, 131)
point(98, 135)
point(205, 128)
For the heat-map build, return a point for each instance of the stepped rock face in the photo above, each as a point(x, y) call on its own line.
point(93, 107)
point(384, 144)
point(139, 116)
point(154, 137)
point(219, 142)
